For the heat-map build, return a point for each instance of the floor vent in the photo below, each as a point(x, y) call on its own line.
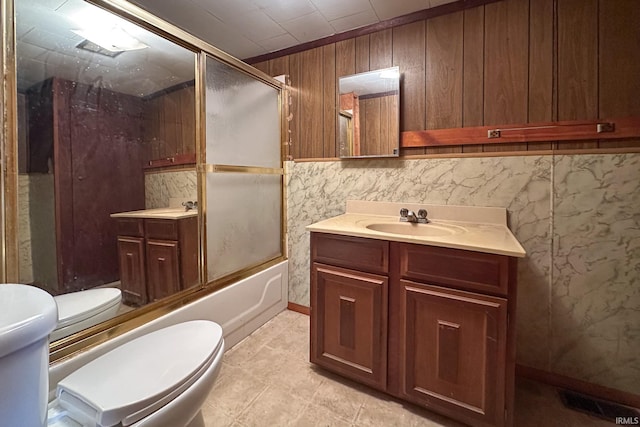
point(598, 408)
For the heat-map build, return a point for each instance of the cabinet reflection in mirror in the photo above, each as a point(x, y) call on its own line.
point(106, 125)
point(369, 114)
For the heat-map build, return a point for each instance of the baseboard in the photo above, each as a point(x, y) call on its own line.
point(595, 390)
point(299, 308)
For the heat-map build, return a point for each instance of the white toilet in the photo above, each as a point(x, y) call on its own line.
point(83, 309)
point(27, 316)
point(159, 379)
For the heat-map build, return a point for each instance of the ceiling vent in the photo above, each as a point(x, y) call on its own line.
point(95, 48)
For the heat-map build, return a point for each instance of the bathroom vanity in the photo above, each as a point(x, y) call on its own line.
point(424, 314)
point(158, 253)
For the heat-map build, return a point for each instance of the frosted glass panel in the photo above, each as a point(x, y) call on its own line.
point(243, 122)
point(243, 221)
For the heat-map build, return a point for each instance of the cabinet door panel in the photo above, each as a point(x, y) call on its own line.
point(132, 271)
point(454, 351)
point(163, 274)
point(351, 252)
point(470, 270)
point(349, 323)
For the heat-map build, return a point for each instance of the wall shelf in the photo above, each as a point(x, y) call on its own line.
point(576, 130)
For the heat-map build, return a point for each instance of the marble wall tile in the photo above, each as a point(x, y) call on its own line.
point(319, 190)
point(595, 316)
point(160, 187)
point(25, 266)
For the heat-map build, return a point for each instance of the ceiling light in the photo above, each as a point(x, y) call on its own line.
point(114, 39)
point(107, 30)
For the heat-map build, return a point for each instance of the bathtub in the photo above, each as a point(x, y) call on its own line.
point(240, 309)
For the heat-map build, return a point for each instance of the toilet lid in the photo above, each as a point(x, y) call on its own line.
point(78, 306)
point(142, 375)
point(27, 314)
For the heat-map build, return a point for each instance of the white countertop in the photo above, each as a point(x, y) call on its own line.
point(159, 213)
point(490, 236)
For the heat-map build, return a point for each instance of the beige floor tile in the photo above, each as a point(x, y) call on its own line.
point(275, 406)
point(233, 393)
point(342, 397)
point(301, 378)
point(268, 365)
point(213, 417)
point(267, 380)
point(318, 416)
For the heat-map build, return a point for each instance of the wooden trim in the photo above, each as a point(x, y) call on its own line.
point(298, 308)
point(575, 130)
point(378, 26)
point(577, 151)
point(591, 389)
point(178, 159)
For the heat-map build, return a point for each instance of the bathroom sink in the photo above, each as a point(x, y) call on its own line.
point(413, 229)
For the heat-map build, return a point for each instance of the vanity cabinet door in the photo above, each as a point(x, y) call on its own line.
point(163, 273)
point(452, 351)
point(132, 270)
point(349, 323)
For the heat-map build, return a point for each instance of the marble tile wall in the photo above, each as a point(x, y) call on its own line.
point(25, 260)
point(552, 335)
point(159, 187)
point(595, 311)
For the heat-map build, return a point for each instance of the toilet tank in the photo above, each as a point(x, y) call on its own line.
point(27, 316)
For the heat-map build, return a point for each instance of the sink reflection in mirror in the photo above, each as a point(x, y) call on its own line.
point(101, 129)
point(414, 229)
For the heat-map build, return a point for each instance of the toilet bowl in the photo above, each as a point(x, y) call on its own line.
point(27, 316)
point(157, 380)
point(83, 309)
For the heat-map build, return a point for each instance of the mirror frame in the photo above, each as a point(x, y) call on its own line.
point(340, 113)
point(68, 346)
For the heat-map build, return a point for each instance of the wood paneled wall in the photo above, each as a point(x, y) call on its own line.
point(508, 62)
point(170, 124)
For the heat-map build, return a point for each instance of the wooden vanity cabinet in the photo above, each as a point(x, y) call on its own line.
point(349, 289)
point(158, 257)
point(449, 343)
point(131, 249)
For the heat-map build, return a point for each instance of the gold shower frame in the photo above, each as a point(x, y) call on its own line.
point(67, 347)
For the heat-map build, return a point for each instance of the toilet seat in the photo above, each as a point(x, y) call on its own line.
point(78, 306)
point(141, 376)
point(83, 309)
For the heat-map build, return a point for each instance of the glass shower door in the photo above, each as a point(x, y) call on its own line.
point(243, 171)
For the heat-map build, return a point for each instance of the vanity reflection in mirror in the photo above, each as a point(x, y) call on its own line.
point(106, 159)
point(369, 114)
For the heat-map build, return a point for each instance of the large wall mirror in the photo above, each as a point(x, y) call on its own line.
point(369, 114)
point(106, 125)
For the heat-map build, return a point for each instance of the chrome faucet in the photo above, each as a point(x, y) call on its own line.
point(409, 216)
point(190, 205)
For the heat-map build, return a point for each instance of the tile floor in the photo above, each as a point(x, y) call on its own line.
point(267, 380)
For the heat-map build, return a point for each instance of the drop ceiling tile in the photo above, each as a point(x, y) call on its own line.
point(386, 9)
point(354, 21)
point(285, 10)
point(226, 10)
point(279, 42)
point(334, 9)
point(308, 27)
point(257, 25)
